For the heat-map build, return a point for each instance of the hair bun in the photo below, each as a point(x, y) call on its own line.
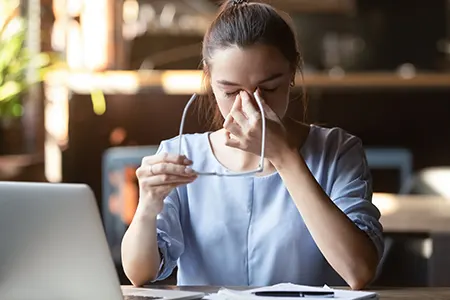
point(238, 2)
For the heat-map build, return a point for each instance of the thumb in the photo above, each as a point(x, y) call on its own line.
point(267, 110)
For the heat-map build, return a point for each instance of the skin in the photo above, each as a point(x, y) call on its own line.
point(235, 74)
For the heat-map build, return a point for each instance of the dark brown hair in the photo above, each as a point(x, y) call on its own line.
point(243, 24)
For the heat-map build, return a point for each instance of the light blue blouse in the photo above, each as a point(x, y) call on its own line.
point(235, 231)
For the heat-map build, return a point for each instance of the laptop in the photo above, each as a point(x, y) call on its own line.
point(53, 246)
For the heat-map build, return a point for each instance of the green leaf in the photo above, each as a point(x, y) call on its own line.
point(11, 47)
point(9, 90)
point(10, 53)
point(17, 110)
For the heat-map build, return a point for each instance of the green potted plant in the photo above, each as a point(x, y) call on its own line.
point(15, 59)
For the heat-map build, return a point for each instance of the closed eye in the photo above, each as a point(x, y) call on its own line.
point(234, 93)
point(269, 90)
point(231, 94)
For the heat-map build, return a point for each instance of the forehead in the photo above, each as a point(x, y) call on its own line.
point(252, 63)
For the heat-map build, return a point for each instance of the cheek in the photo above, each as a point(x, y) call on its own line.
point(278, 102)
point(225, 106)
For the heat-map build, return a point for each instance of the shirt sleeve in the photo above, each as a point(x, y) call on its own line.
point(169, 232)
point(352, 191)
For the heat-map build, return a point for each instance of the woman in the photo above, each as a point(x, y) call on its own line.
point(306, 216)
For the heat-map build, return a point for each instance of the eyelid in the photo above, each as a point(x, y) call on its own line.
point(231, 93)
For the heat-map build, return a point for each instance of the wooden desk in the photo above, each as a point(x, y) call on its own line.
point(408, 214)
point(384, 293)
point(414, 293)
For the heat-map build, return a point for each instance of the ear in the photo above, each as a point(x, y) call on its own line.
point(292, 83)
point(294, 70)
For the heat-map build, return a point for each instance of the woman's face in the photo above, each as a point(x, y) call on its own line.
point(234, 69)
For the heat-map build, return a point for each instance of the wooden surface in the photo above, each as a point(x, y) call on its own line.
point(414, 293)
point(418, 213)
point(384, 293)
point(189, 81)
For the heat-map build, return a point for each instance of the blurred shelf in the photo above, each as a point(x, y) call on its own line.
point(413, 213)
point(189, 81)
point(379, 80)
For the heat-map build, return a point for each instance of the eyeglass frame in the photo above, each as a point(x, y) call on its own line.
point(260, 167)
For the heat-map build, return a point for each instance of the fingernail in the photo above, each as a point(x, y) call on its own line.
point(188, 170)
point(187, 161)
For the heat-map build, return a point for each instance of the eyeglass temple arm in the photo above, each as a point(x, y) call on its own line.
point(183, 119)
point(263, 125)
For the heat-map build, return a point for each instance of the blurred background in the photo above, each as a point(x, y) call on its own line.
point(87, 88)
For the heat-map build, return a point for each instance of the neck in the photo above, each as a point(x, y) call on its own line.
point(250, 161)
point(235, 159)
point(244, 160)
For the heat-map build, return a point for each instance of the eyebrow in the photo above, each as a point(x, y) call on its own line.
point(270, 78)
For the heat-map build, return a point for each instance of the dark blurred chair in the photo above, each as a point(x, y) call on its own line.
point(120, 193)
point(391, 158)
point(400, 159)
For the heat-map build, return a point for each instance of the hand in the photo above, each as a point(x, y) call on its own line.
point(243, 127)
point(158, 175)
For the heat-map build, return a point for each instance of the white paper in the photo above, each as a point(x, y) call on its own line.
point(223, 293)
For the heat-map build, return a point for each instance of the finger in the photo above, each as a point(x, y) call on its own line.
point(247, 106)
point(164, 168)
point(229, 119)
point(235, 114)
point(171, 169)
point(166, 180)
point(267, 110)
point(166, 157)
point(236, 111)
point(237, 104)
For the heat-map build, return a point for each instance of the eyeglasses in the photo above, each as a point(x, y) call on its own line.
point(263, 141)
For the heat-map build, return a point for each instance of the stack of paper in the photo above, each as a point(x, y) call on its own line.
point(249, 294)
